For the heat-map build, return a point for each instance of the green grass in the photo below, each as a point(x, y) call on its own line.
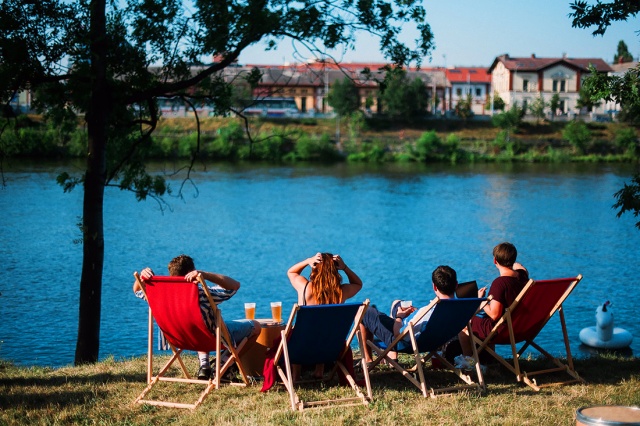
point(102, 394)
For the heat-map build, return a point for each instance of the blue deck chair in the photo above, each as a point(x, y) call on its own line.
point(318, 335)
point(448, 318)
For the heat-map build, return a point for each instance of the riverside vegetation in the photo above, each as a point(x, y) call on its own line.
point(103, 393)
point(356, 139)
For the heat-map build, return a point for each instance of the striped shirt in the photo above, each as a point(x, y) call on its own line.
point(218, 294)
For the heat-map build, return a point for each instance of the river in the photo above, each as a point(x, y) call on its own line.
point(392, 224)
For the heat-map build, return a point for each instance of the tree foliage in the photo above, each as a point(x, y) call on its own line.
point(111, 61)
point(622, 55)
point(602, 15)
point(628, 198)
point(498, 103)
point(624, 90)
point(554, 103)
point(463, 108)
point(403, 97)
point(578, 135)
point(344, 97)
point(537, 108)
point(509, 121)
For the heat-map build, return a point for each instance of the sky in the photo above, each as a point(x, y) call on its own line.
point(474, 33)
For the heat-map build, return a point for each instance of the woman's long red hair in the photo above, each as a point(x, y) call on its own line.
point(326, 281)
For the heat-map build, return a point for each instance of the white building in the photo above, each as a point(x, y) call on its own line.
point(521, 80)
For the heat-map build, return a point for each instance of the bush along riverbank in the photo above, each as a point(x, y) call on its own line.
point(103, 393)
point(363, 140)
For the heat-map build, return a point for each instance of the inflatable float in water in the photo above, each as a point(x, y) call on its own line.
point(604, 335)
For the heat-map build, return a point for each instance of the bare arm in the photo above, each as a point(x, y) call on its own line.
point(517, 266)
point(494, 309)
point(355, 283)
point(146, 273)
point(298, 281)
point(223, 281)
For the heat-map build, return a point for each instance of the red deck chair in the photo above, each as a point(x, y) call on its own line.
point(173, 303)
point(523, 321)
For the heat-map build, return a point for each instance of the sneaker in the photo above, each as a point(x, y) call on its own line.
point(232, 373)
point(464, 362)
point(393, 309)
point(204, 373)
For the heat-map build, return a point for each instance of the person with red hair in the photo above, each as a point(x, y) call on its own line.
point(324, 285)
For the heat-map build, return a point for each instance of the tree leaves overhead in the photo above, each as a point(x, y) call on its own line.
point(41, 39)
point(602, 14)
point(172, 48)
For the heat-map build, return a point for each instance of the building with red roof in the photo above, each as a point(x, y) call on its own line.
point(520, 80)
point(469, 81)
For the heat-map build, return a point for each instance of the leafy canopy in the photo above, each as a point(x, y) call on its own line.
point(107, 62)
point(175, 49)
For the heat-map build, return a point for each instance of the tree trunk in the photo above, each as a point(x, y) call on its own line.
point(88, 344)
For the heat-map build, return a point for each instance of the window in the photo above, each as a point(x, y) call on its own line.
point(525, 85)
point(561, 84)
point(478, 92)
point(459, 91)
point(525, 106)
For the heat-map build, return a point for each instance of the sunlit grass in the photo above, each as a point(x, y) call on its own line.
point(103, 394)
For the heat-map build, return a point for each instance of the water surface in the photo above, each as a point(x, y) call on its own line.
point(392, 224)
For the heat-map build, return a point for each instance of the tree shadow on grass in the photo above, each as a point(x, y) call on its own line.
point(55, 389)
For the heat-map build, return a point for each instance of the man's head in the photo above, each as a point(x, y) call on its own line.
point(181, 265)
point(505, 254)
point(445, 280)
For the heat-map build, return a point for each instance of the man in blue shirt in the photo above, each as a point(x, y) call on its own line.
point(386, 328)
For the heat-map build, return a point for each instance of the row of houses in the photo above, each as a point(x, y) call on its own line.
point(516, 80)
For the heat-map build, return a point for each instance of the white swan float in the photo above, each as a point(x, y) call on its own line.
point(604, 335)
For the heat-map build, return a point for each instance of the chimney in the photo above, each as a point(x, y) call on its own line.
point(533, 56)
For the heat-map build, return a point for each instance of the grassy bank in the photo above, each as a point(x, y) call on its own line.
point(373, 140)
point(102, 394)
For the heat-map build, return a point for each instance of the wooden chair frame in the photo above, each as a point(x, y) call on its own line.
point(496, 336)
point(223, 341)
point(286, 374)
point(478, 386)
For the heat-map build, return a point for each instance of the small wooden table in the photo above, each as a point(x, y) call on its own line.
point(253, 358)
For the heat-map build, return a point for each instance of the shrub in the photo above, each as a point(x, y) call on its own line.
point(308, 148)
point(627, 140)
point(578, 135)
point(428, 146)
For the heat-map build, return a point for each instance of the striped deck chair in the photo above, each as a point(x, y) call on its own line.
point(522, 322)
point(321, 334)
point(174, 304)
point(448, 318)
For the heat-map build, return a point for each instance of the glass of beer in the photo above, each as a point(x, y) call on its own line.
point(250, 310)
point(276, 311)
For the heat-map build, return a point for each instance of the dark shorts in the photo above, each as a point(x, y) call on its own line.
point(481, 326)
point(379, 324)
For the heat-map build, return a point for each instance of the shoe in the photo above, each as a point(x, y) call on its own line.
point(393, 305)
point(464, 362)
point(204, 373)
point(232, 373)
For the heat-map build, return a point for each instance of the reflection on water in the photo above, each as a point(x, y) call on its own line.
point(393, 224)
